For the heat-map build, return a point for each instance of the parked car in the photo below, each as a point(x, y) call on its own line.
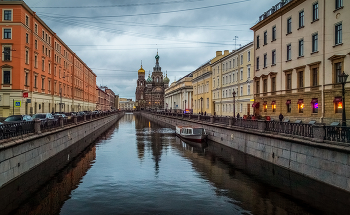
point(58, 115)
point(47, 119)
point(16, 128)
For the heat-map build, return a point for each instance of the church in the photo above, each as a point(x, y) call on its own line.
point(150, 93)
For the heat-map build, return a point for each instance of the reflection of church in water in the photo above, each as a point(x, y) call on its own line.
point(150, 93)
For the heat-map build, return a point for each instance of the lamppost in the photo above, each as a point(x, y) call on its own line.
point(185, 105)
point(343, 77)
point(234, 103)
point(201, 105)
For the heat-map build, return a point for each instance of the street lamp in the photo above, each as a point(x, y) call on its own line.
point(201, 105)
point(342, 78)
point(234, 103)
point(185, 105)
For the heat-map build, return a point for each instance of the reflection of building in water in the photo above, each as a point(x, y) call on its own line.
point(50, 198)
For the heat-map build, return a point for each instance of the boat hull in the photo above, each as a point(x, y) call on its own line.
point(194, 138)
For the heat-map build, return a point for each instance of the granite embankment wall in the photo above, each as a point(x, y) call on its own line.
point(18, 156)
point(328, 163)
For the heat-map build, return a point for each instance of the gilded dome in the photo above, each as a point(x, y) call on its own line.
point(166, 80)
point(141, 70)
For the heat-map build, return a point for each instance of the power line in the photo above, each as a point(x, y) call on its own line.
point(145, 14)
point(125, 5)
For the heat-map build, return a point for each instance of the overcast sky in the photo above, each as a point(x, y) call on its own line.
point(113, 36)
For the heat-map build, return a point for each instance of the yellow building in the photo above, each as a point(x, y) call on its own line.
point(234, 73)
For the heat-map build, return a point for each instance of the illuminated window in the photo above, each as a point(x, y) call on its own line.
point(273, 106)
point(265, 106)
point(338, 104)
point(301, 105)
point(289, 106)
point(314, 104)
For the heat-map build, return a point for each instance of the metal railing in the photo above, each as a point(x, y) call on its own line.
point(16, 129)
point(298, 129)
point(337, 133)
point(245, 123)
point(221, 120)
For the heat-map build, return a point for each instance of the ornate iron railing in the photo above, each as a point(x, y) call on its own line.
point(339, 134)
point(49, 124)
point(298, 129)
point(16, 129)
point(245, 123)
point(221, 120)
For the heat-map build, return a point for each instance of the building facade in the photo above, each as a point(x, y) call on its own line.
point(300, 50)
point(126, 104)
point(39, 72)
point(150, 93)
point(179, 96)
point(234, 74)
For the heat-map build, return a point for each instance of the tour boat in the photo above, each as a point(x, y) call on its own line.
point(196, 134)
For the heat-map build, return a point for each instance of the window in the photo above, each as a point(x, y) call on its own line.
point(26, 78)
point(338, 104)
point(36, 28)
point(301, 47)
point(241, 91)
point(27, 20)
point(36, 61)
point(301, 105)
point(273, 33)
point(257, 87)
point(207, 103)
point(257, 63)
point(8, 15)
point(248, 91)
point(42, 83)
point(43, 34)
point(289, 81)
point(300, 79)
point(265, 86)
point(273, 84)
point(265, 60)
point(289, 52)
point(315, 12)
point(289, 106)
point(35, 81)
point(27, 56)
point(338, 4)
point(265, 38)
point(338, 33)
point(301, 19)
point(289, 25)
point(241, 59)
point(273, 104)
point(338, 71)
point(7, 53)
point(315, 76)
point(7, 33)
point(314, 104)
point(257, 42)
point(27, 38)
point(242, 74)
point(43, 64)
point(315, 42)
point(273, 57)
point(248, 58)
point(265, 106)
point(36, 44)
point(248, 72)
point(7, 77)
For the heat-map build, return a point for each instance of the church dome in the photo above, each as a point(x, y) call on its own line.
point(141, 70)
point(166, 80)
point(149, 79)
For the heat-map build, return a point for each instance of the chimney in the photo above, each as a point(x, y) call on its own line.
point(226, 52)
point(218, 53)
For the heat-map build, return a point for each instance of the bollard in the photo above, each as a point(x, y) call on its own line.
point(61, 121)
point(261, 125)
point(319, 133)
point(75, 120)
point(211, 119)
point(199, 117)
point(37, 124)
point(91, 117)
point(230, 122)
point(84, 117)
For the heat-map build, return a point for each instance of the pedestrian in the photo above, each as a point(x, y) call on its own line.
point(237, 115)
point(281, 117)
point(205, 113)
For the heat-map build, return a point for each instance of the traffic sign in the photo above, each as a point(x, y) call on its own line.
point(18, 103)
point(25, 95)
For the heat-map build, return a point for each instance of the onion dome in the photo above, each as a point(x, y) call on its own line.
point(166, 80)
point(149, 79)
point(141, 70)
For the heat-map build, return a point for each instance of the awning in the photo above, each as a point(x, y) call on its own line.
point(313, 101)
point(337, 99)
point(265, 103)
point(288, 102)
point(300, 101)
point(256, 105)
point(273, 102)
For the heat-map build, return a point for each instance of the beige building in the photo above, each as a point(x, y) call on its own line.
point(300, 49)
point(179, 96)
point(234, 73)
point(126, 104)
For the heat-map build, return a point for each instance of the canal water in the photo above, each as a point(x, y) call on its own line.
point(140, 167)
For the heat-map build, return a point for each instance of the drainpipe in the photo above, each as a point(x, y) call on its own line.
point(324, 60)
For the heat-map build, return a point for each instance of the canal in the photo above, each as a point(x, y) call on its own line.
point(140, 167)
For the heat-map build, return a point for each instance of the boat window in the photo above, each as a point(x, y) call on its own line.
point(198, 131)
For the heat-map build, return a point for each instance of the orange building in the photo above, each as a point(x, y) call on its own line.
point(36, 63)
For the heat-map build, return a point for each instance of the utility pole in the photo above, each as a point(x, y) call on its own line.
point(235, 39)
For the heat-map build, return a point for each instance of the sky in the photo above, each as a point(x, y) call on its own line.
point(113, 36)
